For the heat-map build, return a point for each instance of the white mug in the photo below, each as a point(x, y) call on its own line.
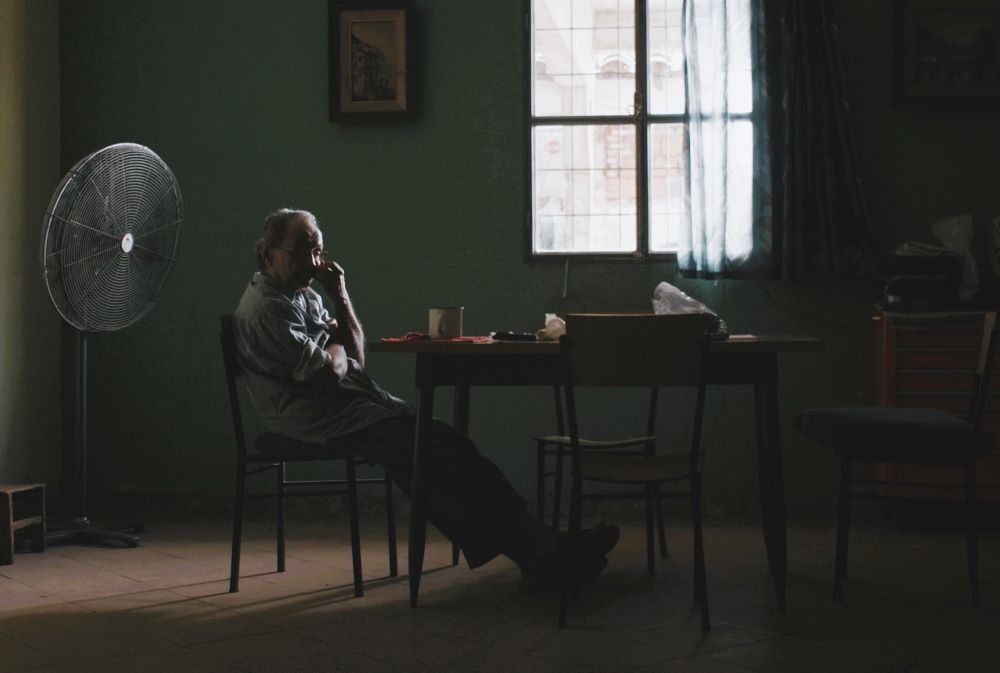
point(444, 322)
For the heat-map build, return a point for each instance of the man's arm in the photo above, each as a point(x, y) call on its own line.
point(349, 339)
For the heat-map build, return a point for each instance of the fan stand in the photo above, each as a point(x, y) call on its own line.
point(80, 529)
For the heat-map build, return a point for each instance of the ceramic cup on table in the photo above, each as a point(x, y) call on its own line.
point(444, 322)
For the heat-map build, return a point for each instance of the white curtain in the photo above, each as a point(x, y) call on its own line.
point(719, 86)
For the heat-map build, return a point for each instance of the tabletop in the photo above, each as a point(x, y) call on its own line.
point(735, 343)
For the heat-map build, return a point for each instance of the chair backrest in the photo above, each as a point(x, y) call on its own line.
point(233, 370)
point(984, 370)
point(633, 350)
point(625, 350)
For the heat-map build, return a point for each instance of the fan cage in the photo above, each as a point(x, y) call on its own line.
point(111, 236)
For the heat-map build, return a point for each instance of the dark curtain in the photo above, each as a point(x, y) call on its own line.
point(820, 225)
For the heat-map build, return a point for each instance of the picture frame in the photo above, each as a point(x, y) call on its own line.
point(372, 60)
point(946, 51)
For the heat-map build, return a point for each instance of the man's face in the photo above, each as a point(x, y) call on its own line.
point(293, 264)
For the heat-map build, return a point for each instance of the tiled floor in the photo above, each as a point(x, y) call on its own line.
point(164, 606)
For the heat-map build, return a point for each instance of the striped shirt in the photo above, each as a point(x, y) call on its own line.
point(281, 338)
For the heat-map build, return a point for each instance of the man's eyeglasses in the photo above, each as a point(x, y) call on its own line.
point(315, 253)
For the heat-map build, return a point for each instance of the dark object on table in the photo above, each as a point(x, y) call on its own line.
point(513, 336)
point(923, 282)
point(920, 293)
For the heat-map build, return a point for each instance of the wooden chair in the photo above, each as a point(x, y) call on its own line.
point(557, 446)
point(273, 453)
point(636, 351)
point(910, 436)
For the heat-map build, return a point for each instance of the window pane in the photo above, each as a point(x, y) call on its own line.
point(739, 191)
point(740, 58)
point(584, 57)
point(666, 57)
point(667, 185)
point(584, 188)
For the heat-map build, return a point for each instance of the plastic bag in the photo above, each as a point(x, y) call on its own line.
point(669, 299)
point(554, 328)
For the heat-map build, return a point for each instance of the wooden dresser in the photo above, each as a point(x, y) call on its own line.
point(921, 362)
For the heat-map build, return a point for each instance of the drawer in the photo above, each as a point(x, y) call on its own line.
point(959, 339)
point(922, 380)
point(936, 358)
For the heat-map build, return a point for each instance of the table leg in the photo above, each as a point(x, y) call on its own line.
point(772, 482)
point(418, 504)
point(461, 421)
point(760, 417)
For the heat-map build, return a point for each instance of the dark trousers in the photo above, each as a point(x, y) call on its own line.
point(468, 498)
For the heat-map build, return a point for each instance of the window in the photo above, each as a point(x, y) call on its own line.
point(622, 164)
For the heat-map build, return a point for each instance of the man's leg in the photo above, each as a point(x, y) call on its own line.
point(468, 498)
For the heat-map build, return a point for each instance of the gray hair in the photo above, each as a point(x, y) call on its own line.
point(275, 229)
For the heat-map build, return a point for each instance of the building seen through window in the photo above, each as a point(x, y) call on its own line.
point(610, 126)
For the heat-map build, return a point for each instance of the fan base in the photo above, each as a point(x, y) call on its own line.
point(82, 531)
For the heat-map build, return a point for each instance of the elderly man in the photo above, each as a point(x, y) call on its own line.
point(306, 377)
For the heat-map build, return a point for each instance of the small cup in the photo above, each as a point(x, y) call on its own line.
point(444, 322)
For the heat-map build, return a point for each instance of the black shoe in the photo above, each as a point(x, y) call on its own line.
point(597, 541)
point(552, 581)
point(590, 543)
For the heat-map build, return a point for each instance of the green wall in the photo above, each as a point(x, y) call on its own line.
point(919, 164)
point(233, 96)
point(29, 169)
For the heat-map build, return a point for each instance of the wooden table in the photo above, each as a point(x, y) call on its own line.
point(741, 360)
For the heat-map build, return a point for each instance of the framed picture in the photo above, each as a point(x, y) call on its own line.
point(947, 51)
point(372, 69)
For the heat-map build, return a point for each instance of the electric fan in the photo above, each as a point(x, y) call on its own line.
point(109, 241)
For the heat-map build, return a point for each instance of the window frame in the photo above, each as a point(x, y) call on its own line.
point(641, 121)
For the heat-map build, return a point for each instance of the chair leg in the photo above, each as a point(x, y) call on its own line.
point(700, 580)
point(972, 516)
point(390, 525)
point(564, 601)
point(234, 563)
point(650, 518)
point(352, 511)
point(843, 522)
point(540, 480)
point(279, 487)
point(570, 571)
point(661, 528)
point(557, 488)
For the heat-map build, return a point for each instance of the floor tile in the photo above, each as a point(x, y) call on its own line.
point(17, 656)
point(166, 606)
point(73, 634)
point(168, 660)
